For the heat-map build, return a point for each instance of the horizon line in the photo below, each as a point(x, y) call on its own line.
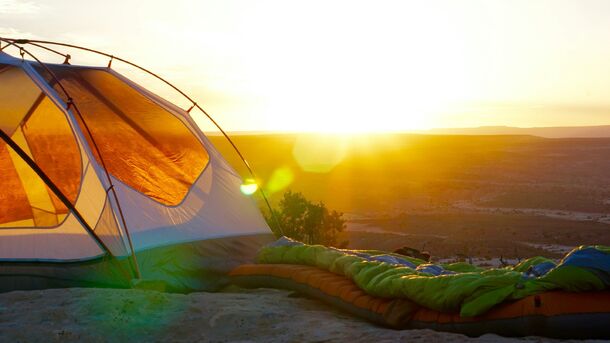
point(406, 131)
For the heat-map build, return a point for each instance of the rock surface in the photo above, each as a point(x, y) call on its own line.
point(264, 315)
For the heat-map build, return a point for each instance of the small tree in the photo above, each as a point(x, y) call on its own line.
point(305, 221)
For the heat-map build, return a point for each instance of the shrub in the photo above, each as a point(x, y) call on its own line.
point(306, 221)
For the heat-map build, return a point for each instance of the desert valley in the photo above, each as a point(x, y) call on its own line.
point(476, 197)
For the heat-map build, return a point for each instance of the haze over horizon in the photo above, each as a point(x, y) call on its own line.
point(351, 66)
point(597, 131)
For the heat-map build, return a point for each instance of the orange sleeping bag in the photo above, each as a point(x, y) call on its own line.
point(551, 314)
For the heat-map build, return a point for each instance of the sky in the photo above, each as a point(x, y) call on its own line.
point(348, 65)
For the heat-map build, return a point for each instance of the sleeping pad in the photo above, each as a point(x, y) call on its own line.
point(457, 287)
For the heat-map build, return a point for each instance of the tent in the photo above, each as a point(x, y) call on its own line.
point(103, 182)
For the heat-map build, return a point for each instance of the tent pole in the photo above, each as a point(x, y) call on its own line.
point(112, 57)
point(133, 251)
point(45, 178)
point(111, 188)
point(70, 103)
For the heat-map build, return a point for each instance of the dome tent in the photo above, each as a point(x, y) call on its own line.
point(104, 182)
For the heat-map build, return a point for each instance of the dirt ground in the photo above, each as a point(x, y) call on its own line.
point(264, 315)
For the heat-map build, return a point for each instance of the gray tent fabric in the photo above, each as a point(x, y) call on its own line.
point(107, 166)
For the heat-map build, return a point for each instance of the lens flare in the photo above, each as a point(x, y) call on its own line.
point(280, 179)
point(249, 187)
point(319, 153)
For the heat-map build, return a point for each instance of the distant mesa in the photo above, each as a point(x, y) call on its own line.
point(546, 132)
point(600, 131)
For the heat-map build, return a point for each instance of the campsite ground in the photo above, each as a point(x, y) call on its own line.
point(264, 315)
point(459, 197)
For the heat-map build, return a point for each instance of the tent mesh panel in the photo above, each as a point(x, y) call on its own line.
point(141, 143)
point(41, 130)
